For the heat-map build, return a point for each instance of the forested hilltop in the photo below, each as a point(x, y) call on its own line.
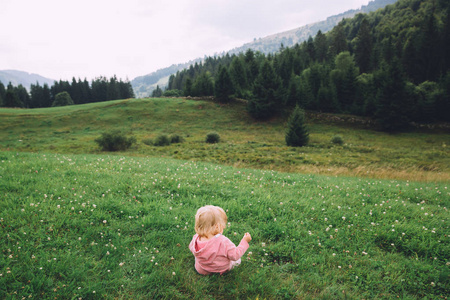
point(76, 92)
point(392, 65)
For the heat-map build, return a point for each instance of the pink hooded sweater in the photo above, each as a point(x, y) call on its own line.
point(217, 254)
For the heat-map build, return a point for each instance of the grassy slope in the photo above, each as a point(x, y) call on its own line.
point(245, 143)
point(116, 227)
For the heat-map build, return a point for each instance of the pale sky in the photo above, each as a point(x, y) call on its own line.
point(61, 39)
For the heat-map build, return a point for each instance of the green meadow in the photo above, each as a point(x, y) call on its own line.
point(422, 155)
point(364, 220)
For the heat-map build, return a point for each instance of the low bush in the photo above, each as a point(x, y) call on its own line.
point(115, 141)
point(148, 142)
point(212, 138)
point(175, 139)
point(337, 139)
point(162, 140)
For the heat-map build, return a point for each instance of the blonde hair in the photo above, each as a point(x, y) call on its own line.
point(210, 220)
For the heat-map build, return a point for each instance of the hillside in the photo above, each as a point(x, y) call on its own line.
point(392, 65)
point(23, 78)
point(144, 85)
point(422, 155)
point(271, 44)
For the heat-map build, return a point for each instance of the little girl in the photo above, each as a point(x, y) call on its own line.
point(214, 253)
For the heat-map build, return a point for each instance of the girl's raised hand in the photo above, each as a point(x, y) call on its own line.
point(247, 237)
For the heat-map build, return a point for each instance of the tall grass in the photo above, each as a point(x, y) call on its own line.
point(118, 227)
point(423, 155)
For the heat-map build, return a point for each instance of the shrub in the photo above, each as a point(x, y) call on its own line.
point(115, 141)
point(62, 99)
point(162, 140)
point(173, 93)
point(175, 138)
point(148, 142)
point(212, 138)
point(297, 134)
point(337, 139)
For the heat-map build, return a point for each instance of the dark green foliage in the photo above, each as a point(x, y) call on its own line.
point(267, 91)
point(337, 139)
point(2, 94)
point(238, 75)
point(297, 134)
point(176, 139)
point(212, 138)
point(101, 89)
point(115, 141)
point(188, 87)
point(321, 47)
point(173, 93)
point(203, 85)
point(322, 73)
point(364, 46)
point(338, 40)
point(224, 86)
point(428, 94)
point(11, 97)
point(443, 103)
point(162, 140)
point(326, 99)
point(157, 92)
point(343, 78)
point(392, 108)
point(62, 99)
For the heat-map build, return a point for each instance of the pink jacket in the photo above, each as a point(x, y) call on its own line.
point(217, 255)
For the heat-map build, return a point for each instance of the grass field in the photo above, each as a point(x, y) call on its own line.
point(365, 220)
point(117, 227)
point(423, 156)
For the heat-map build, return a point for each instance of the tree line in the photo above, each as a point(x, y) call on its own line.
point(100, 89)
point(392, 65)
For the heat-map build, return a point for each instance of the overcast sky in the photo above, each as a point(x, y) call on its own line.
point(61, 39)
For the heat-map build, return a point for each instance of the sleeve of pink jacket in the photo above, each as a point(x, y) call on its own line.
point(233, 252)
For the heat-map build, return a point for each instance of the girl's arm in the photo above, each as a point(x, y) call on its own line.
point(233, 252)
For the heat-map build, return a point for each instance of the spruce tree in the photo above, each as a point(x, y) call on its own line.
point(267, 93)
point(224, 86)
point(392, 108)
point(297, 134)
point(364, 46)
point(11, 97)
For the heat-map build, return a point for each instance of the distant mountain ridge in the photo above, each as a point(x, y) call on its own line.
point(144, 85)
point(271, 43)
point(23, 78)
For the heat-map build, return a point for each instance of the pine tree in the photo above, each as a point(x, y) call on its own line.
point(188, 86)
point(267, 93)
point(23, 95)
point(364, 45)
point(2, 94)
point(344, 79)
point(321, 47)
point(157, 92)
point(224, 86)
point(297, 134)
point(392, 108)
point(11, 97)
point(338, 40)
point(238, 76)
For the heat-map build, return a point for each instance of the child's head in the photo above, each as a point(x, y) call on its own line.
point(210, 220)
